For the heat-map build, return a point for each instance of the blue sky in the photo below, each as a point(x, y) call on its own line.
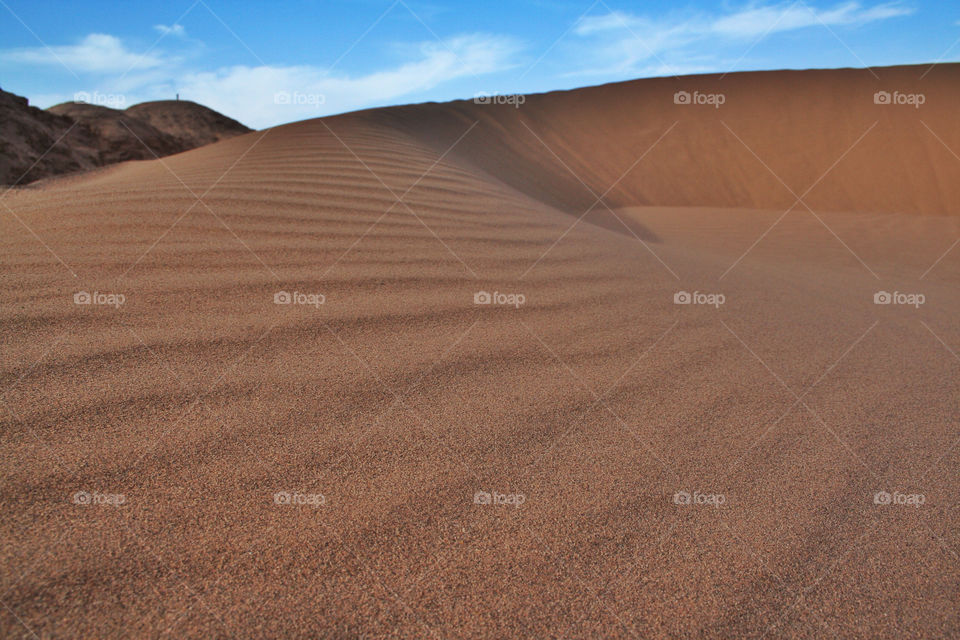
point(267, 63)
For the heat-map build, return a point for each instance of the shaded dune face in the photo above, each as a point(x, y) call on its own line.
point(370, 375)
point(797, 123)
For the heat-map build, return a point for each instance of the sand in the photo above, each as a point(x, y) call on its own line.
point(258, 470)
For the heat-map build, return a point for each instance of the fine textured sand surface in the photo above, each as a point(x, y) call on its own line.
point(592, 410)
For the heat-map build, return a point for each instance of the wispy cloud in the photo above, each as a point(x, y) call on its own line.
point(96, 53)
point(628, 42)
point(176, 30)
point(264, 95)
point(757, 21)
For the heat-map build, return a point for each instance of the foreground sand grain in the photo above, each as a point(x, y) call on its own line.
point(399, 399)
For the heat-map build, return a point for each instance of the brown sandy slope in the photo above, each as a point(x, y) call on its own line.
point(798, 123)
point(399, 399)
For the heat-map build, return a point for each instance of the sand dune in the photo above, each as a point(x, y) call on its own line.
point(797, 123)
point(377, 418)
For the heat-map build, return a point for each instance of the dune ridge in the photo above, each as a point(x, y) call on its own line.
point(798, 123)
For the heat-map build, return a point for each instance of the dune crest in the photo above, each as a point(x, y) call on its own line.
point(801, 124)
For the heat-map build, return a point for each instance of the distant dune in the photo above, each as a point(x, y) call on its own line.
point(95, 135)
point(372, 375)
point(798, 123)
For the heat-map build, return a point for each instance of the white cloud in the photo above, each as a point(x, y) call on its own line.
point(754, 22)
point(251, 94)
point(174, 30)
point(97, 53)
point(627, 42)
